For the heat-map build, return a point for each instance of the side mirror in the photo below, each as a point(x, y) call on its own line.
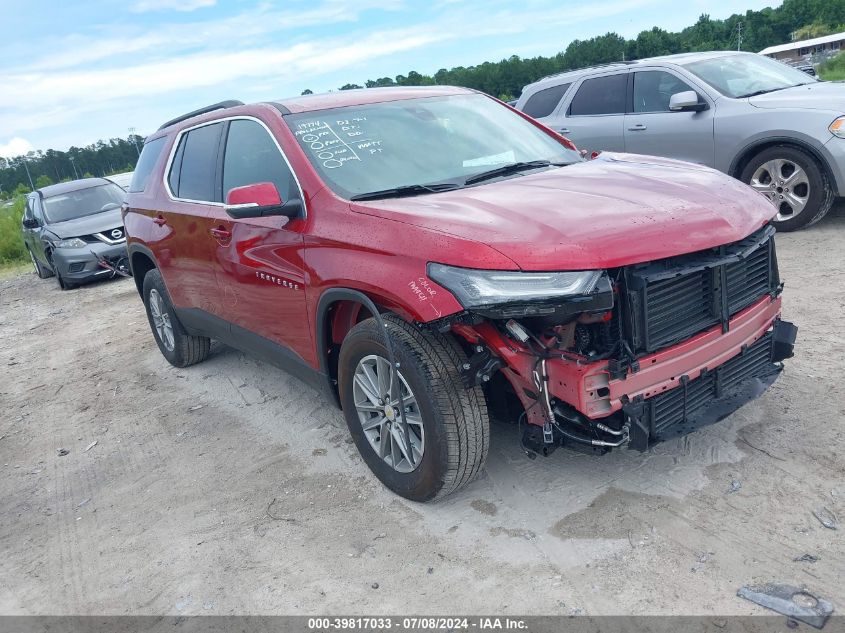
point(686, 101)
point(260, 200)
point(30, 223)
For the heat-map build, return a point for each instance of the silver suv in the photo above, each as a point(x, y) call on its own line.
point(770, 125)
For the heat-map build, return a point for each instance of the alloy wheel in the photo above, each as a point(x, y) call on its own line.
point(161, 320)
point(399, 440)
point(785, 183)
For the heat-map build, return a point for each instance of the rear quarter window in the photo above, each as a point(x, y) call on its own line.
point(149, 157)
point(544, 102)
point(601, 95)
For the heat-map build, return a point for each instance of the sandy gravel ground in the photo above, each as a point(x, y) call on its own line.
point(231, 488)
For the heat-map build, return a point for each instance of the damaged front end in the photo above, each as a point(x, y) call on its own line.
point(629, 356)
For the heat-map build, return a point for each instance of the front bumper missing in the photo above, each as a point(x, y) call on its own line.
point(713, 395)
point(697, 403)
point(598, 394)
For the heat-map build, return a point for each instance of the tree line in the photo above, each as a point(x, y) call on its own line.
point(751, 31)
point(18, 174)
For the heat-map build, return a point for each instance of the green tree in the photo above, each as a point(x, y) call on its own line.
point(307, 91)
point(43, 181)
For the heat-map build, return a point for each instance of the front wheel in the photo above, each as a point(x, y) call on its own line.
point(794, 183)
point(440, 443)
point(40, 269)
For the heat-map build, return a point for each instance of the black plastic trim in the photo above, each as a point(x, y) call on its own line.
point(222, 105)
point(201, 323)
point(329, 297)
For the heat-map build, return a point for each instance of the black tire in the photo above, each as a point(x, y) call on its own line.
point(40, 269)
point(455, 419)
point(187, 350)
point(820, 196)
point(64, 285)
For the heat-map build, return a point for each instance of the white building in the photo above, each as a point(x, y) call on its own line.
point(815, 49)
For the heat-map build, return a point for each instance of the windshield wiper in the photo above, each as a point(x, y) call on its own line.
point(768, 90)
point(407, 190)
point(511, 168)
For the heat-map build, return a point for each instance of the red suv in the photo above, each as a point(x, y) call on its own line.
point(431, 257)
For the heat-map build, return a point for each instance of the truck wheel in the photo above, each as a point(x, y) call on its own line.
point(795, 184)
point(443, 442)
point(41, 271)
point(177, 346)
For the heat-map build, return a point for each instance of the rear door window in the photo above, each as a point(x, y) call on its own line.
point(544, 102)
point(252, 156)
point(601, 95)
point(194, 168)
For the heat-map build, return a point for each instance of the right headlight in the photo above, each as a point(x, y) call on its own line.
point(837, 128)
point(482, 288)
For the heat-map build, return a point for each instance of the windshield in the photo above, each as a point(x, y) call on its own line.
point(381, 146)
point(82, 202)
point(744, 75)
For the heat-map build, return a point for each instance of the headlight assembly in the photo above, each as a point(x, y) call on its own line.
point(491, 291)
point(73, 242)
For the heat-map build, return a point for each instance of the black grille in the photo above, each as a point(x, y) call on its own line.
point(688, 401)
point(670, 300)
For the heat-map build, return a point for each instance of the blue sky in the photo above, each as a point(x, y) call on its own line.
point(74, 72)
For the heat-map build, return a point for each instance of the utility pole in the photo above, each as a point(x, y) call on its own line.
point(73, 164)
point(739, 36)
point(134, 140)
point(26, 167)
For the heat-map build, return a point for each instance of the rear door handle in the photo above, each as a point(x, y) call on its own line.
point(564, 130)
point(637, 128)
point(160, 220)
point(221, 234)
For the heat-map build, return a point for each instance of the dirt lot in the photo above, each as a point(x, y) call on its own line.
point(231, 488)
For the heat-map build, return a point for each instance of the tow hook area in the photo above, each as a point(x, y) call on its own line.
point(479, 368)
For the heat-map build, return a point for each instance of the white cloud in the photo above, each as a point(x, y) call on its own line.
point(15, 147)
point(142, 6)
point(173, 38)
point(161, 66)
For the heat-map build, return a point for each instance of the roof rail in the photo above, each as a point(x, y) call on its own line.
point(627, 62)
point(231, 103)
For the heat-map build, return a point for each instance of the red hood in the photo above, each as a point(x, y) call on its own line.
point(616, 210)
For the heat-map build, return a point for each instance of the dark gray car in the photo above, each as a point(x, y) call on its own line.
point(72, 229)
point(770, 125)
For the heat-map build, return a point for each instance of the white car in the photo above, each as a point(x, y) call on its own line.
point(122, 180)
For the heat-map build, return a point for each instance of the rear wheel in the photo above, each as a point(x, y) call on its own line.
point(794, 183)
point(441, 442)
point(176, 345)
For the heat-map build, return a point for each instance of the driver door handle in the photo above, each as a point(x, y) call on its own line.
point(564, 130)
point(637, 128)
